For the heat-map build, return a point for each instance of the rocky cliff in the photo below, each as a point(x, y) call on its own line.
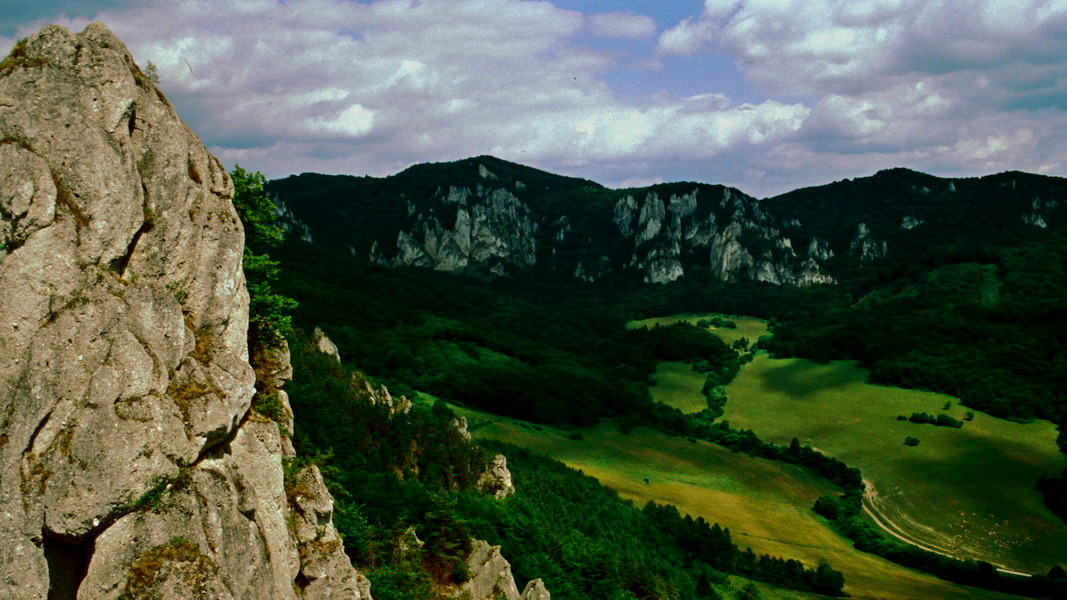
point(131, 463)
point(488, 217)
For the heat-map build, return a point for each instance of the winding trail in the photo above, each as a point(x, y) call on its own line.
point(870, 507)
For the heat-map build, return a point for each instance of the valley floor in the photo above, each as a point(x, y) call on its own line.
point(963, 492)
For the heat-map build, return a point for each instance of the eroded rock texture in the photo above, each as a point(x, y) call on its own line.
point(130, 462)
point(491, 577)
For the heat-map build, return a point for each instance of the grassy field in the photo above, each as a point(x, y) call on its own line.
point(965, 492)
point(766, 505)
point(747, 327)
point(679, 386)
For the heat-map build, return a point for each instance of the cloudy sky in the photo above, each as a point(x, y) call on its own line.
point(764, 95)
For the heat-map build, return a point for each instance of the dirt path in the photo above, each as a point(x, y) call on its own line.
point(870, 506)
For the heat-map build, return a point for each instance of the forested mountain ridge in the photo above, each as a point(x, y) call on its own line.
point(490, 217)
point(487, 216)
point(957, 285)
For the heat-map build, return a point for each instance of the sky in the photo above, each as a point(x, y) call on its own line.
point(763, 95)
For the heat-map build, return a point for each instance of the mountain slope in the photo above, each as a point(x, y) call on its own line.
point(489, 217)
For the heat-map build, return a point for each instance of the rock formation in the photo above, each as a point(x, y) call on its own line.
point(489, 223)
point(491, 577)
point(130, 460)
point(496, 480)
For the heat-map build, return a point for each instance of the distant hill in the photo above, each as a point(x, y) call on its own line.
point(491, 217)
point(952, 284)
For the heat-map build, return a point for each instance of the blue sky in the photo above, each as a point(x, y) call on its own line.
point(764, 95)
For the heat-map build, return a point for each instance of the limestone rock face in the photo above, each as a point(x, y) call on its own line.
point(485, 230)
point(325, 345)
point(866, 245)
point(475, 221)
point(731, 231)
point(535, 590)
point(491, 577)
point(129, 458)
point(497, 478)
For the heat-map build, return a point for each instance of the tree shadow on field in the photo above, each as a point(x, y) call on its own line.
point(802, 379)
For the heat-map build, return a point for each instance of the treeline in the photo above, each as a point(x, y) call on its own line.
point(845, 513)
point(700, 426)
point(1054, 490)
point(712, 545)
point(941, 420)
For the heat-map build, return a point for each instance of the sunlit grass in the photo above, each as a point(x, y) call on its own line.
point(679, 386)
point(766, 504)
point(747, 327)
point(968, 492)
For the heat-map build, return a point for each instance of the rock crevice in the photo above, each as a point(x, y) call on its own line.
point(130, 460)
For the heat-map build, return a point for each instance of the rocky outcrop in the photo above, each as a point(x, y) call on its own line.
point(489, 223)
point(325, 345)
point(290, 223)
point(866, 245)
point(491, 577)
point(484, 230)
point(497, 478)
point(130, 461)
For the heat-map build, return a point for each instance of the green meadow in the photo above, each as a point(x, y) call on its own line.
point(747, 327)
point(964, 492)
point(766, 504)
point(677, 385)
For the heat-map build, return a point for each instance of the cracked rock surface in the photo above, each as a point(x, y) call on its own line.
point(129, 459)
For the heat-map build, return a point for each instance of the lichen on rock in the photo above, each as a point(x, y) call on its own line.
point(124, 362)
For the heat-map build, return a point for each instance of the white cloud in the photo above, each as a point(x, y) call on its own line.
point(623, 25)
point(686, 38)
point(372, 88)
point(830, 88)
point(819, 46)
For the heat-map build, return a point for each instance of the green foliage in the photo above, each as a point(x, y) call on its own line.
point(388, 471)
point(269, 316)
point(255, 209)
point(1054, 491)
point(269, 405)
point(911, 441)
point(749, 592)
point(941, 420)
point(151, 71)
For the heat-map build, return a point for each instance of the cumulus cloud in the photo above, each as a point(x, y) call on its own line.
point(836, 88)
point(961, 85)
point(821, 46)
point(374, 87)
point(623, 25)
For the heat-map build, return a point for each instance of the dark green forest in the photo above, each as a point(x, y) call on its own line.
point(394, 474)
point(976, 311)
